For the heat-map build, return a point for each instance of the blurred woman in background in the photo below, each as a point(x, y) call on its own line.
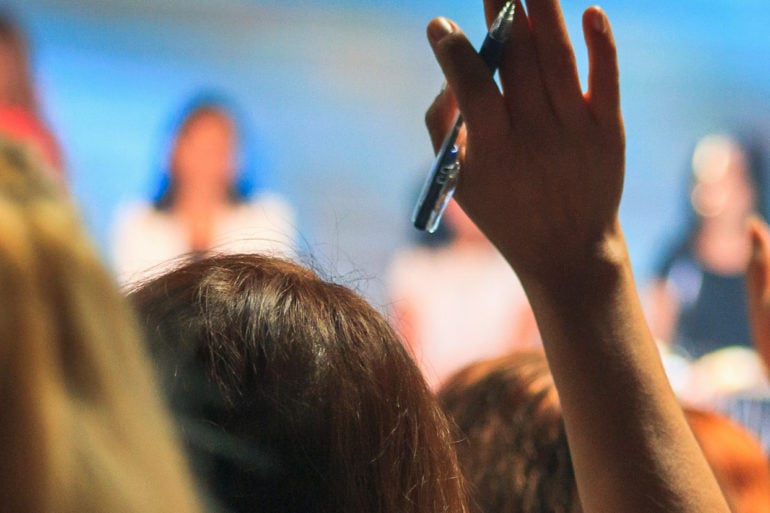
point(698, 298)
point(20, 118)
point(210, 196)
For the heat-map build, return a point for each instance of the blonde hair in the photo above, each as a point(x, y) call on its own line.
point(82, 426)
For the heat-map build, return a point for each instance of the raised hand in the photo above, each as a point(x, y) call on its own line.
point(542, 170)
point(542, 176)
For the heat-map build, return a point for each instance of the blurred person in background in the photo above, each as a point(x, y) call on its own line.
point(697, 301)
point(211, 196)
point(443, 296)
point(20, 117)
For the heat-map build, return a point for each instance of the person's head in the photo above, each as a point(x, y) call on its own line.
point(736, 458)
point(512, 445)
point(208, 151)
point(721, 178)
point(15, 78)
point(294, 394)
point(727, 181)
point(82, 426)
point(514, 454)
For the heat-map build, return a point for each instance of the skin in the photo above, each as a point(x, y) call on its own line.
point(758, 287)
point(203, 163)
point(542, 177)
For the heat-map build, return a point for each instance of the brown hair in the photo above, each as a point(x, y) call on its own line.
point(737, 459)
point(309, 400)
point(512, 445)
point(82, 426)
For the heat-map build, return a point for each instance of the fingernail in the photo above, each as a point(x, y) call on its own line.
point(443, 88)
point(600, 22)
point(439, 28)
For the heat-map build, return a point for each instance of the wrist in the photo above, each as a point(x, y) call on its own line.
point(568, 274)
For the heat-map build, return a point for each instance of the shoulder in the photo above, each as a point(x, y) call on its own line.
point(268, 204)
point(136, 214)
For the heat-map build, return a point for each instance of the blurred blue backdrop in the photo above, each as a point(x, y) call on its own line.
point(337, 89)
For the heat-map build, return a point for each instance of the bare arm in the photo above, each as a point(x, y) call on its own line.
point(542, 176)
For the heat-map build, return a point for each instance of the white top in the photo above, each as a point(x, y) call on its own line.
point(147, 241)
point(456, 306)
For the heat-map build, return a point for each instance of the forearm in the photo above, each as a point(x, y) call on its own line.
point(632, 449)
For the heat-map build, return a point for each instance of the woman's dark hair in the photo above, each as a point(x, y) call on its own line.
point(512, 445)
point(294, 394)
point(248, 178)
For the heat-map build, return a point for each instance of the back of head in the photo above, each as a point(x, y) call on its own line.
point(737, 460)
point(294, 394)
point(82, 427)
point(513, 449)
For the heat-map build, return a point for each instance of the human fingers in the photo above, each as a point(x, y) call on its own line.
point(520, 75)
point(440, 116)
point(603, 77)
point(758, 287)
point(468, 76)
point(555, 55)
point(758, 270)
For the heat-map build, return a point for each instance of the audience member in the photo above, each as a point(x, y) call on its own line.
point(294, 394)
point(342, 419)
point(752, 407)
point(512, 447)
point(20, 117)
point(442, 297)
point(82, 428)
point(16, 87)
point(210, 197)
point(698, 299)
point(513, 450)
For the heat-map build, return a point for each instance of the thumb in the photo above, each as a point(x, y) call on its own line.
point(440, 116)
point(758, 270)
point(470, 80)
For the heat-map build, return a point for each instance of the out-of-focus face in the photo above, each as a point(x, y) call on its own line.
point(205, 152)
point(722, 186)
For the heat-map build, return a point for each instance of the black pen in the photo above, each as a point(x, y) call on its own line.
point(442, 179)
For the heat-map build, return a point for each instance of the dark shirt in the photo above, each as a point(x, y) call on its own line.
point(712, 307)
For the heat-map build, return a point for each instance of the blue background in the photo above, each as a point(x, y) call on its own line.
point(336, 92)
